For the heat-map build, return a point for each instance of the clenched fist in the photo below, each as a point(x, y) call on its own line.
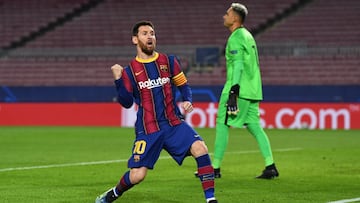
point(187, 106)
point(117, 71)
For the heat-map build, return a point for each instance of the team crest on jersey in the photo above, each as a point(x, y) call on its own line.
point(136, 158)
point(164, 68)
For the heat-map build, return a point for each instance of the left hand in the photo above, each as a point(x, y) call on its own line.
point(187, 106)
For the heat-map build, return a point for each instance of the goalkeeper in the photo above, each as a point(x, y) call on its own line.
point(242, 92)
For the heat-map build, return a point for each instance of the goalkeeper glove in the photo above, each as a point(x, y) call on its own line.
point(231, 104)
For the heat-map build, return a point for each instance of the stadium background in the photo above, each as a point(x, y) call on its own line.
point(55, 57)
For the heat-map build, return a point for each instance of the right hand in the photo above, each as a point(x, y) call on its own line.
point(231, 105)
point(117, 71)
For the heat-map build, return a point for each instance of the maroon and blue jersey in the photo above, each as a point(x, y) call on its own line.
point(152, 85)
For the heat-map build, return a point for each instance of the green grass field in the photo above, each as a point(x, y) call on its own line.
point(75, 164)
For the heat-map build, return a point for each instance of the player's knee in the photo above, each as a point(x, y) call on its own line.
point(137, 175)
point(198, 148)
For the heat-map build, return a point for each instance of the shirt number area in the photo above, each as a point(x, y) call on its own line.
point(139, 147)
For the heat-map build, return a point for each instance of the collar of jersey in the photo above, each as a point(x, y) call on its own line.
point(149, 59)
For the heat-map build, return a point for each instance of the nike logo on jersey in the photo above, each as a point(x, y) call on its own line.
point(138, 73)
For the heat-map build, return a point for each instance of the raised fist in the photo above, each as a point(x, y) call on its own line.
point(117, 71)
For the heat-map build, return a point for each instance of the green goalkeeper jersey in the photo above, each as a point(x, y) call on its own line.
point(242, 65)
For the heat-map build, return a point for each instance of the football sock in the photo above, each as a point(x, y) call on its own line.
point(263, 141)
point(210, 199)
point(206, 175)
point(111, 196)
point(221, 142)
point(123, 185)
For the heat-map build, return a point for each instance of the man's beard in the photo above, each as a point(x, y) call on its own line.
point(144, 48)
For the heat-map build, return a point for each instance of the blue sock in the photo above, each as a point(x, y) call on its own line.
point(206, 175)
point(124, 184)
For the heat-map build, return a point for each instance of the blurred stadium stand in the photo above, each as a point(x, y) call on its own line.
point(71, 43)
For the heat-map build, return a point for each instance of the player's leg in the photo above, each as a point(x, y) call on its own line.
point(263, 142)
point(221, 135)
point(223, 121)
point(270, 170)
point(183, 141)
point(221, 143)
point(127, 181)
point(205, 170)
point(255, 129)
point(145, 153)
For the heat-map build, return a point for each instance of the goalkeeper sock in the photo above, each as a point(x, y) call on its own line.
point(263, 141)
point(206, 175)
point(221, 142)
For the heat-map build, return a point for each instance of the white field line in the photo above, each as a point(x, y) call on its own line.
point(346, 200)
point(122, 160)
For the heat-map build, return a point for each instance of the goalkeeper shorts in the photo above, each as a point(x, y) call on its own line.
point(248, 113)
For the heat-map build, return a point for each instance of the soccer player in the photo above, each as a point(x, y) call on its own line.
point(242, 92)
point(150, 80)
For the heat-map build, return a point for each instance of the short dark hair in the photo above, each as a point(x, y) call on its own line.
point(240, 9)
point(135, 29)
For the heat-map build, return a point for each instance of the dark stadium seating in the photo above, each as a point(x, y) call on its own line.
point(177, 22)
point(21, 17)
point(310, 70)
point(321, 23)
point(301, 49)
point(58, 71)
point(318, 45)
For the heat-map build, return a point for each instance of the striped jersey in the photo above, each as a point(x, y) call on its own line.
point(152, 85)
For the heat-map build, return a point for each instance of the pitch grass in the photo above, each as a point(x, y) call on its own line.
point(315, 166)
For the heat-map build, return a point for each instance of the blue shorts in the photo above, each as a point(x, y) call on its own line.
point(176, 140)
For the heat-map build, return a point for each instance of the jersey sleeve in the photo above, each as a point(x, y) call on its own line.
point(236, 55)
point(180, 80)
point(124, 90)
point(179, 77)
